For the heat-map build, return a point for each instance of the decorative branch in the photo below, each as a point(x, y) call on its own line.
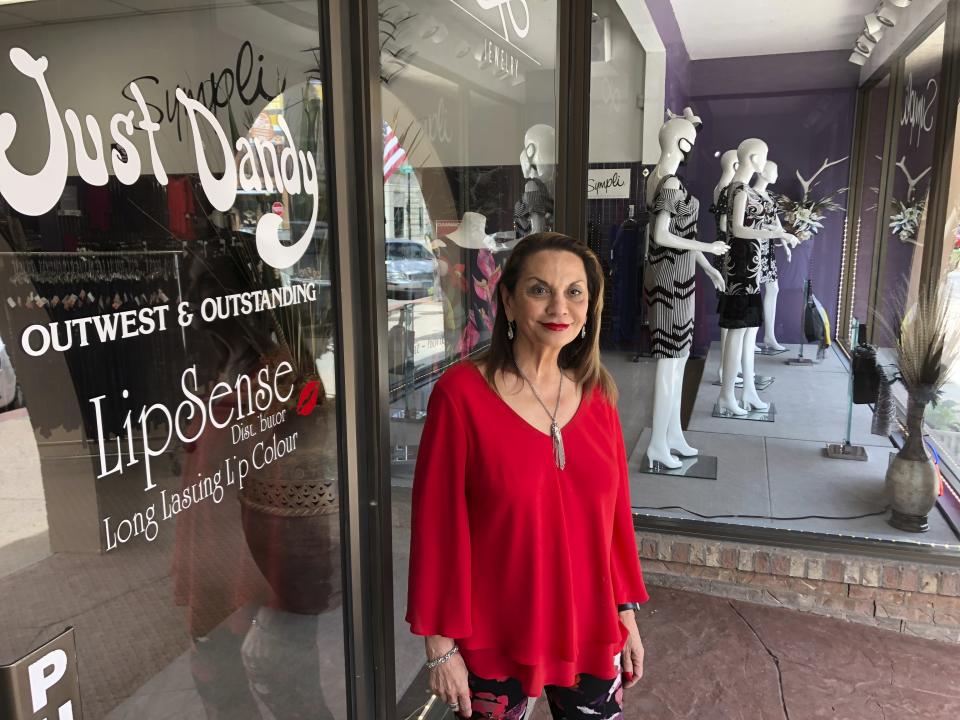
point(807, 184)
point(911, 181)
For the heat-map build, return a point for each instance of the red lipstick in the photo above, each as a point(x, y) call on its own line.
point(556, 327)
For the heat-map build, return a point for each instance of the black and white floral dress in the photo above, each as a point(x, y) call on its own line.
point(670, 275)
point(741, 305)
point(768, 255)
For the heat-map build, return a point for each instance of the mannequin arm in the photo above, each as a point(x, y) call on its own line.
point(663, 236)
point(715, 277)
point(789, 241)
point(737, 214)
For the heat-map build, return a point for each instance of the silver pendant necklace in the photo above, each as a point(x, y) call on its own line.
point(559, 457)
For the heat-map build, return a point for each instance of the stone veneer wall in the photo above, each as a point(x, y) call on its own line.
point(912, 598)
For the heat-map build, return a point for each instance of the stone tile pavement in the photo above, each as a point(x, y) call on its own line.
point(711, 658)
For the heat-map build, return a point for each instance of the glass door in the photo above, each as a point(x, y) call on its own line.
point(169, 472)
point(469, 166)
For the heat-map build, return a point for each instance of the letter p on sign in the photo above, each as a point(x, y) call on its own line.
point(44, 684)
point(44, 674)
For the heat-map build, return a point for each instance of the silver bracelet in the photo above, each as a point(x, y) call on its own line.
point(431, 664)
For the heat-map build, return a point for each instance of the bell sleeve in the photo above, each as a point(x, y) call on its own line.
point(439, 589)
point(628, 585)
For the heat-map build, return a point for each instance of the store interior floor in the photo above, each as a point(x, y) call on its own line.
point(770, 469)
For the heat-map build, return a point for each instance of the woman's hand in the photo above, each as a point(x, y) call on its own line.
point(448, 680)
point(631, 658)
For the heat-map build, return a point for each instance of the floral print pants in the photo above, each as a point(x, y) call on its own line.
point(590, 698)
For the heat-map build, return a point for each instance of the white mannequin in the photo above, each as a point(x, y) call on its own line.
point(728, 165)
point(677, 137)
point(771, 290)
point(740, 345)
point(538, 160)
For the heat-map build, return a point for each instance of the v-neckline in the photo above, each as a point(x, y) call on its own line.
point(518, 416)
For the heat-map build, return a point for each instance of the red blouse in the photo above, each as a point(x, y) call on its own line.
point(522, 563)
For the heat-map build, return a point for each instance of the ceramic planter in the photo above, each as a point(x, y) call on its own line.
point(912, 481)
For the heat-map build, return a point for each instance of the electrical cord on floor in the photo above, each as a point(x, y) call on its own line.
point(766, 517)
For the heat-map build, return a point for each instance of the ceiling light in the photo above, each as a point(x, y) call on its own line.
point(875, 28)
point(857, 58)
point(900, 3)
point(887, 15)
point(14, 2)
point(863, 46)
point(865, 40)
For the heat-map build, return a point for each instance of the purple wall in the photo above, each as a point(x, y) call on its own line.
point(678, 61)
point(803, 106)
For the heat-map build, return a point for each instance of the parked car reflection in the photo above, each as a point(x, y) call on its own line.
point(411, 269)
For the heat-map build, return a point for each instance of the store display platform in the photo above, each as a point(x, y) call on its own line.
point(771, 470)
point(762, 382)
point(768, 415)
point(702, 467)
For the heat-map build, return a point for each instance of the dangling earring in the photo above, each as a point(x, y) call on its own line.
point(583, 333)
point(509, 330)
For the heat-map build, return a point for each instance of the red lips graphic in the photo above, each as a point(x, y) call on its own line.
point(308, 398)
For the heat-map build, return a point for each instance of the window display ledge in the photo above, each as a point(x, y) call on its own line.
point(919, 599)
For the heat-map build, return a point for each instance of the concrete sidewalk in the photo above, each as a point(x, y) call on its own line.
point(709, 658)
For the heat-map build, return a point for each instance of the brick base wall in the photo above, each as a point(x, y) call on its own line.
point(912, 598)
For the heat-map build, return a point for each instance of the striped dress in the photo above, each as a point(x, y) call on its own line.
point(670, 275)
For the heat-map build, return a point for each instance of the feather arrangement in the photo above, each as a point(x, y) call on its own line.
point(928, 347)
point(929, 343)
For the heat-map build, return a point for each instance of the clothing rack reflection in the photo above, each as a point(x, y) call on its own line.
point(96, 270)
point(59, 289)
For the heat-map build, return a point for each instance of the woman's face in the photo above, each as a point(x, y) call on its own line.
point(550, 301)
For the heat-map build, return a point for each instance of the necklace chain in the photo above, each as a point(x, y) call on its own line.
point(559, 456)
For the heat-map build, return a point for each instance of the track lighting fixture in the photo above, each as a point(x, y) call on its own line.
point(858, 58)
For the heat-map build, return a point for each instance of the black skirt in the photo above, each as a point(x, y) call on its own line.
point(740, 311)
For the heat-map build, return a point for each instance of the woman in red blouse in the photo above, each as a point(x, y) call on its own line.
point(524, 572)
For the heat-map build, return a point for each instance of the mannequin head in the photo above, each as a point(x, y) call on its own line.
point(677, 137)
point(728, 166)
point(752, 156)
point(539, 156)
point(728, 163)
point(770, 172)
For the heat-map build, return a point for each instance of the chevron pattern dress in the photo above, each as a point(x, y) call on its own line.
point(670, 275)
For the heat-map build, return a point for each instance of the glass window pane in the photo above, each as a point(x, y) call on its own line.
point(169, 471)
point(906, 211)
point(470, 113)
point(867, 223)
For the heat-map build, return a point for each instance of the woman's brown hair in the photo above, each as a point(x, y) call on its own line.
point(582, 355)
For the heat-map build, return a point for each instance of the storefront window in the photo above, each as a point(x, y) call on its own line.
point(757, 436)
point(906, 207)
point(169, 482)
point(615, 176)
point(470, 117)
point(870, 220)
point(943, 419)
